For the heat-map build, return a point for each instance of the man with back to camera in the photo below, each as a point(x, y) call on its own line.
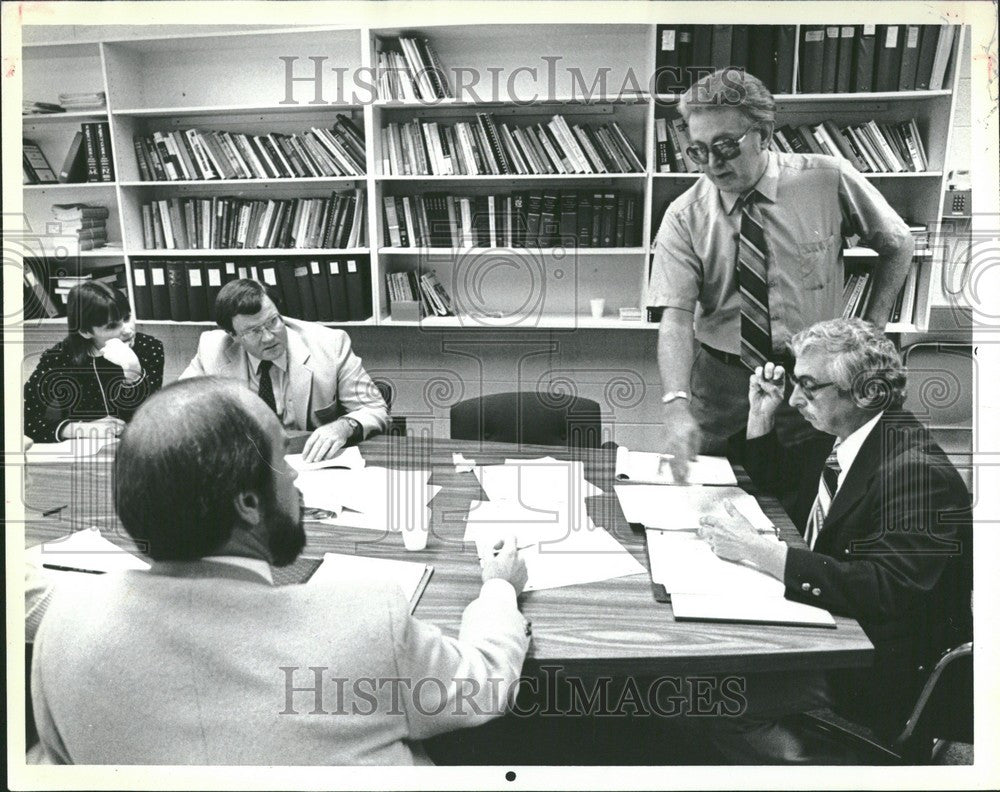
point(305, 372)
point(187, 663)
point(888, 528)
point(755, 246)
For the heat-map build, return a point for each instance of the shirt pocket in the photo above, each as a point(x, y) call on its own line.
point(815, 261)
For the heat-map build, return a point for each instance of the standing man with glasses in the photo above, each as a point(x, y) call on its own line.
point(750, 255)
point(305, 372)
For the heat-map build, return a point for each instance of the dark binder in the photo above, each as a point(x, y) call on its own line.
point(337, 286)
point(631, 223)
point(303, 281)
point(619, 235)
point(784, 58)
point(609, 214)
point(909, 57)
point(105, 161)
point(534, 218)
point(74, 167)
point(831, 46)
point(701, 53)
point(568, 218)
point(158, 290)
point(864, 59)
point(685, 39)
point(355, 287)
point(548, 228)
point(197, 294)
point(91, 152)
point(888, 53)
point(213, 285)
point(141, 290)
point(177, 288)
point(597, 219)
point(722, 46)
point(740, 57)
point(584, 218)
point(320, 290)
point(289, 291)
point(925, 57)
point(845, 58)
point(811, 50)
point(669, 78)
point(761, 59)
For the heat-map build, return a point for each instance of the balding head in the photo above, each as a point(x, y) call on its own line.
point(188, 453)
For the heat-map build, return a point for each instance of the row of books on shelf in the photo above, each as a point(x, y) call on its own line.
point(423, 288)
point(672, 143)
point(196, 154)
point(604, 218)
point(220, 223)
point(872, 147)
point(409, 69)
point(841, 58)
point(77, 101)
point(832, 58)
point(907, 309)
point(486, 147)
point(88, 159)
point(318, 290)
point(85, 223)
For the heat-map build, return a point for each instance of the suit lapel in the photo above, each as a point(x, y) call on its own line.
point(300, 377)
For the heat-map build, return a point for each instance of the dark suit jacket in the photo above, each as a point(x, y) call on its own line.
point(895, 553)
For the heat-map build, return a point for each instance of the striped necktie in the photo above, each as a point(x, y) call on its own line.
point(751, 271)
point(824, 497)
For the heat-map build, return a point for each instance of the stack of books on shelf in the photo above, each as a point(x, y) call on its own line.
point(92, 100)
point(30, 107)
point(672, 142)
point(685, 53)
point(425, 289)
point(864, 58)
point(316, 290)
point(87, 224)
point(566, 218)
point(195, 154)
point(409, 69)
point(472, 148)
point(872, 147)
point(219, 223)
point(87, 160)
point(62, 284)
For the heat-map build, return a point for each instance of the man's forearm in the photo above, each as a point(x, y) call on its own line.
point(888, 277)
point(676, 349)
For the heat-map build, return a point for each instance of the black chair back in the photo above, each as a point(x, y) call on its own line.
point(529, 418)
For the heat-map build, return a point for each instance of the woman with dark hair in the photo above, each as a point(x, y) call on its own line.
point(96, 377)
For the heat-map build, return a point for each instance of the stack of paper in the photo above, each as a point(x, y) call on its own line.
point(681, 508)
point(410, 576)
point(535, 482)
point(68, 450)
point(347, 458)
point(644, 467)
point(84, 551)
point(707, 587)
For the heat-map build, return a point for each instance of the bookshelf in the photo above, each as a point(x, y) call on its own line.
point(175, 79)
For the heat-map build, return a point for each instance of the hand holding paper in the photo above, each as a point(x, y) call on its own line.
point(735, 539)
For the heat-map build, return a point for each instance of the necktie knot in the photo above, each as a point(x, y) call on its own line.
point(746, 200)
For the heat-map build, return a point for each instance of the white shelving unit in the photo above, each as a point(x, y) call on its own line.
point(239, 81)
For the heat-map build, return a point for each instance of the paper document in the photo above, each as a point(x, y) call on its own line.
point(644, 467)
point(462, 465)
point(681, 508)
point(758, 610)
point(536, 482)
point(410, 576)
point(84, 550)
point(68, 450)
point(349, 458)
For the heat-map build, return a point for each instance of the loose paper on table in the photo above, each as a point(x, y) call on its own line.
point(410, 576)
point(681, 508)
point(84, 550)
point(644, 467)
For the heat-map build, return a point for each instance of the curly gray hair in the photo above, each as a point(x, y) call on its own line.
point(729, 87)
point(862, 360)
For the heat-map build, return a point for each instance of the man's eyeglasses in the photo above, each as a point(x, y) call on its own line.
point(725, 149)
point(808, 385)
point(271, 325)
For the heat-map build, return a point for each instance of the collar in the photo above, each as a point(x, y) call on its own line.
point(849, 447)
point(257, 565)
point(766, 186)
point(281, 363)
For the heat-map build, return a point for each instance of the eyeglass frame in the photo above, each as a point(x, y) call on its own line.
point(255, 333)
point(695, 153)
point(809, 389)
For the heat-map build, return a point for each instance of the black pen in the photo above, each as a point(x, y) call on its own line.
point(72, 569)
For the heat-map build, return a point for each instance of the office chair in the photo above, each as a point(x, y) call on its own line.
point(529, 418)
point(397, 423)
point(939, 391)
point(943, 714)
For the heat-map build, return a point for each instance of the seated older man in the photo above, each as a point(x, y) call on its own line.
point(888, 533)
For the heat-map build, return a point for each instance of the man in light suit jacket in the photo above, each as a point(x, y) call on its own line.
point(200, 660)
point(304, 371)
point(888, 530)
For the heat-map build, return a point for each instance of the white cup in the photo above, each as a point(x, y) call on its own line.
point(597, 307)
point(415, 536)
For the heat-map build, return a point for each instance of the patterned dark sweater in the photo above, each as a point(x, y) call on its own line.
point(59, 390)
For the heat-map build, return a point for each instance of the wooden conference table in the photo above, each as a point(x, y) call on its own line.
point(613, 627)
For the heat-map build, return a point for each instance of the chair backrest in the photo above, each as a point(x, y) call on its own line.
point(944, 709)
point(386, 390)
point(530, 418)
point(939, 386)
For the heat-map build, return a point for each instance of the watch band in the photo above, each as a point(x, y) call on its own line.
point(357, 431)
point(671, 396)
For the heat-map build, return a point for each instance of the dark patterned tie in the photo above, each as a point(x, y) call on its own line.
point(264, 388)
point(755, 318)
point(824, 497)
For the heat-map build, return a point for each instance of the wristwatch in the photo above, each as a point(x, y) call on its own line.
point(671, 396)
point(357, 431)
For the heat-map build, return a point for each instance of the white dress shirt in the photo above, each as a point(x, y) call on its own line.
point(849, 447)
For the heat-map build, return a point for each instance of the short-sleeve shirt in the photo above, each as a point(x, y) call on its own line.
point(808, 205)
